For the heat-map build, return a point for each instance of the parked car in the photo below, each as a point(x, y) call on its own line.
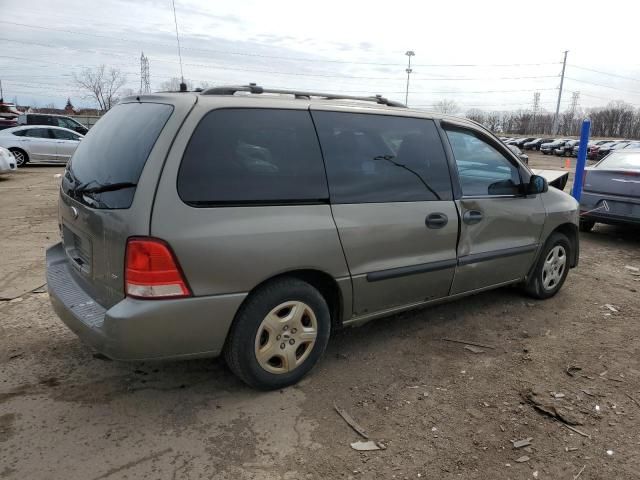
point(611, 191)
point(607, 148)
point(548, 148)
point(566, 148)
point(518, 152)
point(7, 161)
point(39, 144)
point(536, 142)
point(632, 145)
point(52, 120)
point(521, 141)
point(199, 224)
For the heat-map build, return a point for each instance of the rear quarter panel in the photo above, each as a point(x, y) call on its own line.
point(233, 249)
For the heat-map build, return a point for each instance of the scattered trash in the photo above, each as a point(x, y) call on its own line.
point(588, 392)
point(580, 472)
point(611, 307)
point(501, 428)
point(535, 474)
point(473, 349)
point(557, 395)
point(464, 342)
point(598, 408)
point(522, 459)
point(572, 370)
point(570, 449)
point(610, 452)
point(634, 400)
point(551, 409)
point(579, 432)
point(367, 446)
point(633, 269)
point(522, 443)
point(434, 429)
point(351, 422)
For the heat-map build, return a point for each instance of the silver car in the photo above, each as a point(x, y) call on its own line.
point(39, 143)
point(254, 225)
point(611, 191)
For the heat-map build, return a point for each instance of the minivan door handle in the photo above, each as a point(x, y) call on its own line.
point(471, 217)
point(436, 220)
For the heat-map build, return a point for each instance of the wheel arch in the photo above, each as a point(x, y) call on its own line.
point(19, 149)
point(326, 284)
point(570, 230)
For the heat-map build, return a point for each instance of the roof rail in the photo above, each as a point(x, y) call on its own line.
point(256, 89)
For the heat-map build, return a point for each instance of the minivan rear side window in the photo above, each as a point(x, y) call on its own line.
point(253, 156)
point(115, 152)
point(380, 158)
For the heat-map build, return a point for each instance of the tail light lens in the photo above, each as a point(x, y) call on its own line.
point(151, 270)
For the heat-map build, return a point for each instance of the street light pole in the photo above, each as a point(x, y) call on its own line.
point(409, 53)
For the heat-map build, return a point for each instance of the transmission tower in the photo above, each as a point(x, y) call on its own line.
point(145, 83)
point(536, 106)
point(575, 96)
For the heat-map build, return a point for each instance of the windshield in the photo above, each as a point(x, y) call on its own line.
point(623, 160)
point(114, 153)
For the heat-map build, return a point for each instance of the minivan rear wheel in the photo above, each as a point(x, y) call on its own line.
point(551, 269)
point(279, 334)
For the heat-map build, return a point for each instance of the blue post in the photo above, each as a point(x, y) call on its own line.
point(582, 159)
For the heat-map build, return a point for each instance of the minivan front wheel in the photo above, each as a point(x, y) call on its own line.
point(551, 269)
point(279, 334)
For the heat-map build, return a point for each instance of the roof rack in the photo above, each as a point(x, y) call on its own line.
point(256, 89)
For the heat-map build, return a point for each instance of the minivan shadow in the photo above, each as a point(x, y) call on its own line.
point(211, 377)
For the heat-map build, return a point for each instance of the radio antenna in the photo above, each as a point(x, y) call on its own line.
point(183, 86)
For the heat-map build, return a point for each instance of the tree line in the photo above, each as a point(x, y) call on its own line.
point(618, 120)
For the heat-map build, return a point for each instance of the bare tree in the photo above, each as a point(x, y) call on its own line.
point(173, 85)
point(101, 85)
point(447, 107)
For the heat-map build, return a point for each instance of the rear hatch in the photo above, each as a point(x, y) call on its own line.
point(109, 185)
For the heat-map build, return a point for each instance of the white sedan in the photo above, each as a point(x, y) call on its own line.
point(7, 161)
point(39, 143)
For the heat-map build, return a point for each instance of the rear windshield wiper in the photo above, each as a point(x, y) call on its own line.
point(108, 187)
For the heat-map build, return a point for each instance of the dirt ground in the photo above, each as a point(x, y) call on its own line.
point(441, 410)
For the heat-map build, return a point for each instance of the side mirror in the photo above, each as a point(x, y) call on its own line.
point(537, 184)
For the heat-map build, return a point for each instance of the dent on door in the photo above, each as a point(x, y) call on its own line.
point(499, 238)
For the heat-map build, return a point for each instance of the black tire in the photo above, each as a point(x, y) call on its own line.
point(535, 286)
point(240, 348)
point(22, 158)
point(586, 225)
point(543, 152)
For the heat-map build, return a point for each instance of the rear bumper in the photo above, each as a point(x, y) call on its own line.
point(593, 203)
point(140, 329)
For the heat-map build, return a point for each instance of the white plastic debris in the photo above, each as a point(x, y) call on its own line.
point(365, 446)
point(611, 307)
point(610, 452)
point(633, 269)
point(597, 408)
point(535, 474)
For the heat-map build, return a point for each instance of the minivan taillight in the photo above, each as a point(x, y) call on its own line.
point(151, 270)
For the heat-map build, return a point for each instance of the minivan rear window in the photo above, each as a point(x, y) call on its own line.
point(252, 156)
point(107, 164)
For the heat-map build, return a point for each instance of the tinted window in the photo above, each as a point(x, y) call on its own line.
point(482, 169)
point(19, 133)
point(379, 158)
point(252, 155)
point(38, 133)
point(64, 135)
point(115, 151)
point(66, 123)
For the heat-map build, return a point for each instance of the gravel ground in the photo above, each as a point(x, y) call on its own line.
point(441, 410)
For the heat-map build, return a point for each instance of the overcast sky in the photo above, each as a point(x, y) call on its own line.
point(355, 47)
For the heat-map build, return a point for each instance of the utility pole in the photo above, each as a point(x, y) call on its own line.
point(536, 105)
point(555, 119)
point(409, 53)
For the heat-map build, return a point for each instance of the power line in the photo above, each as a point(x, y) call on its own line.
point(296, 59)
point(604, 86)
point(605, 73)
